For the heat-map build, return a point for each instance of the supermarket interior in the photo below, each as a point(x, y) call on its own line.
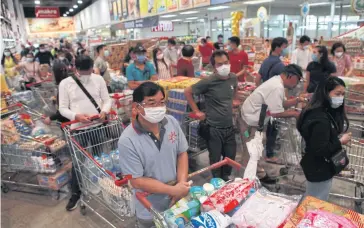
point(182, 113)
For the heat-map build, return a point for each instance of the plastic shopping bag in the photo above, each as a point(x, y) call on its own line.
point(255, 149)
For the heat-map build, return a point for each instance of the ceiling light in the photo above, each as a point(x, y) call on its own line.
point(167, 16)
point(79, 2)
point(189, 12)
point(192, 18)
point(257, 2)
point(37, 2)
point(65, 15)
point(71, 10)
point(176, 20)
point(344, 6)
point(75, 6)
point(218, 7)
point(318, 4)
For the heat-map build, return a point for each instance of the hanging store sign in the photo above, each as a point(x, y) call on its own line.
point(305, 9)
point(197, 3)
point(163, 26)
point(46, 12)
point(358, 6)
point(215, 2)
point(140, 23)
point(185, 4)
point(262, 13)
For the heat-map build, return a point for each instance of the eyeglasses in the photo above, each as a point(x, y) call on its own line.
point(153, 104)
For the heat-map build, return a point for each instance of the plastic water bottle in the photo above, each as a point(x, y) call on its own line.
point(115, 161)
point(106, 162)
point(93, 176)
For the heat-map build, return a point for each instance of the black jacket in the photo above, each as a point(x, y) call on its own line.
point(322, 142)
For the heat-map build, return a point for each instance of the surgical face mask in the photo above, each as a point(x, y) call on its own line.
point(306, 47)
point(339, 54)
point(284, 52)
point(160, 56)
point(106, 53)
point(140, 58)
point(7, 53)
point(42, 50)
point(223, 70)
point(337, 101)
point(29, 60)
point(154, 114)
point(315, 58)
point(61, 58)
point(84, 78)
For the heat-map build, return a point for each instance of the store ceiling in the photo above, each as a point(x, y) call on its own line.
point(64, 6)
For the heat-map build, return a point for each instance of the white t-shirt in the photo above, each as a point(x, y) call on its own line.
point(270, 93)
point(301, 57)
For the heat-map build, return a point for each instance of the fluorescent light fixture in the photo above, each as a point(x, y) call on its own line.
point(192, 18)
point(37, 2)
point(189, 12)
point(218, 7)
point(318, 4)
point(257, 2)
point(176, 20)
point(344, 6)
point(71, 10)
point(75, 6)
point(188, 21)
point(65, 15)
point(168, 16)
point(79, 2)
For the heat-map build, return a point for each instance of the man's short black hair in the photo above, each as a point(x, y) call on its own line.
point(147, 89)
point(100, 47)
point(41, 46)
point(315, 40)
point(188, 51)
point(218, 53)
point(84, 62)
point(278, 42)
point(60, 52)
point(220, 36)
point(292, 69)
point(182, 43)
point(235, 40)
point(304, 38)
point(203, 41)
point(266, 40)
point(336, 46)
point(208, 37)
point(171, 41)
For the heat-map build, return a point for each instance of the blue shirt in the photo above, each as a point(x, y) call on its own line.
point(270, 67)
point(133, 73)
point(143, 155)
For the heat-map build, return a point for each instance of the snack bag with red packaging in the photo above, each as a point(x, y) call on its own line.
point(228, 197)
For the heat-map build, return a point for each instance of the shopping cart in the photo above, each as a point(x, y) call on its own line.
point(31, 161)
point(96, 171)
point(196, 143)
point(158, 217)
point(45, 93)
point(122, 103)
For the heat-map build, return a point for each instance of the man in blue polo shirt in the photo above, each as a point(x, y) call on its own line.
point(153, 150)
point(273, 66)
point(141, 70)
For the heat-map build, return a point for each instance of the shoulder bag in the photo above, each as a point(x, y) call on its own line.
point(86, 93)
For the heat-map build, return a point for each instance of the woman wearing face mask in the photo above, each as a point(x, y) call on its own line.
point(160, 64)
point(31, 69)
point(319, 69)
point(342, 61)
point(141, 70)
point(8, 63)
point(320, 124)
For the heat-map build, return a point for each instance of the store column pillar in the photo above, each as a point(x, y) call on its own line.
point(332, 15)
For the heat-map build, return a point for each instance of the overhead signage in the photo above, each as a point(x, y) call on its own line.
point(197, 3)
point(46, 12)
point(262, 13)
point(305, 9)
point(140, 23)
point(185, 4)
point(163, 26)
point(214, 2)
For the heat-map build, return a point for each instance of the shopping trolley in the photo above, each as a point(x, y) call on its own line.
point(97, 176)
point(45, 93)
point(122, 103)
point(158, 217)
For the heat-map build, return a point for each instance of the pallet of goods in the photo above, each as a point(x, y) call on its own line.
point(117, 55)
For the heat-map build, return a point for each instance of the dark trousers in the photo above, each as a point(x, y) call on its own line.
point(221, 142)
point(271, 134)
point(90, 140)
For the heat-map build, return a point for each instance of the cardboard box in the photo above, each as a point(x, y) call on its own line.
point(57, 180)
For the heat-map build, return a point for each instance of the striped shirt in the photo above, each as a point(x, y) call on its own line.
point(163, 70)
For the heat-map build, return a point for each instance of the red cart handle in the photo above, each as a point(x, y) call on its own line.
point(14, 105)
point(123, 181)
point(95, 117)
point(142, 196)
point(37, 83)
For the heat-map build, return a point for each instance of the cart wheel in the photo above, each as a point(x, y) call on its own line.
point(283, 171)
point(83, 210)
point(4, 188)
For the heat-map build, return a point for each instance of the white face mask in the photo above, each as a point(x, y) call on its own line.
point(160, 56)
point(84, 78)
point(224, 70)
point(61, 58)
point(29, 60)
point(155, 114)
point(337, 101)
point(306, 47)
point(339, 54)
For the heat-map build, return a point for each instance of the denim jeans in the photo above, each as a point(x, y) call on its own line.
point(320, 190)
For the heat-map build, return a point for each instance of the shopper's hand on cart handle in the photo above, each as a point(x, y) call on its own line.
point(198, 115)
point(83, 118)
point(346, 138)
point(102, 116)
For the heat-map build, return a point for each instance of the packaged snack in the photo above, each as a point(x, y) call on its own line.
point(208, 188)
point(182, 212)
point(323, 219)
point(217, 183)
point(211, 219)
point(196, 192)
point(228, 197)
